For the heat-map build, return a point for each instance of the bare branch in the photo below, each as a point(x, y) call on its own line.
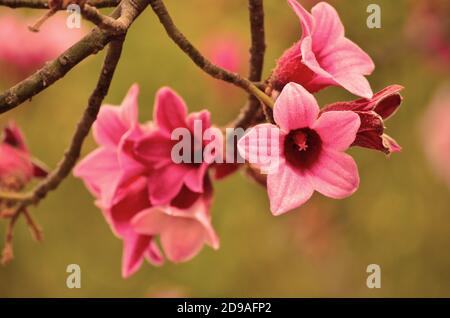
point(258, 48)
point(43, 4)
point(187, 47)
point(252, 112)
point(55, 70)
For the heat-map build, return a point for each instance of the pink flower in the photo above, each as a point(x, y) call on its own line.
point(309, 150)
point(17, 167)
point(121, 184)
point(436, 132)
point(23, 51)
point(373, 112)
point(113, 176)
point(183, 228)
point(155, 148)
point(323, 56)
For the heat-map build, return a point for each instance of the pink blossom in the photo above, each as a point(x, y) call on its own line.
point(17, 166)
point(121, 184)
point(436, 132)
point(183, 229)
point(373, 113)
point(23, 51)
point(113, 176)
point(310, 153)
point(323, 56)
point(155, 148)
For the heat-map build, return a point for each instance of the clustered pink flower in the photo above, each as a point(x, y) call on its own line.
point(305, 150)
point(160, 207)
point(23, 51)
point(142, 193)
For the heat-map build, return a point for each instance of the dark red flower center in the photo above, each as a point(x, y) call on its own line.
point(302, 147)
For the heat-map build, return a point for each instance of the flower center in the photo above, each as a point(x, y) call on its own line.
point(302, 147)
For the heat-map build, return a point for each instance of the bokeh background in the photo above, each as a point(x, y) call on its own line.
point(399, 218)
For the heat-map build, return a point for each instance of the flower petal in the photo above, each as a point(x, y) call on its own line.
point(152, 221)
point(260, 146)
point(295, 108)
point(154, 148)
point(165, 183)
point(99, 170)
point(134, 249)
point(109, 127)
point(328, 26)
point(287, 189)
point(335, 175)
point(337, 129)
point(183, 239)
point(306, 19)
point(170, 111)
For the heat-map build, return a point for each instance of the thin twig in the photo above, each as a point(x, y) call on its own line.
point(187, 47)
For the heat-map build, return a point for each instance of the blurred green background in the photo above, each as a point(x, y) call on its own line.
point(398, 219)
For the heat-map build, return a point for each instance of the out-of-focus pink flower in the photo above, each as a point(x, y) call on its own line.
point(428, 30)
point(225, 51)
point(436, 132)
point(310, 155)
point(23, 51)
point(120, 182)
point(373, 112)
point(183, 230)
point(323, 56)
point(17, 167)
point(155, 148)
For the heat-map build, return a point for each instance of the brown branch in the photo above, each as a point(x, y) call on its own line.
point(102, 21)
point(258, 48)
point(43, 4)
point(194, 54)
point(55, 70)
point(252, 112)
point(73, 152)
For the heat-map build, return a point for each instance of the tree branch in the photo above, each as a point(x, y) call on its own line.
point(187, 47)
point(249, 114)
point(55, 70)
point(43, 4)
point(73, 152)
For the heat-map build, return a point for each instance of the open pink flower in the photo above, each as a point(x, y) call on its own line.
point(17, 166)
point(183, 228)
point(373, 112)
point(323, 56)
point(113, 176)
point(309, 150)
point(155, 148)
